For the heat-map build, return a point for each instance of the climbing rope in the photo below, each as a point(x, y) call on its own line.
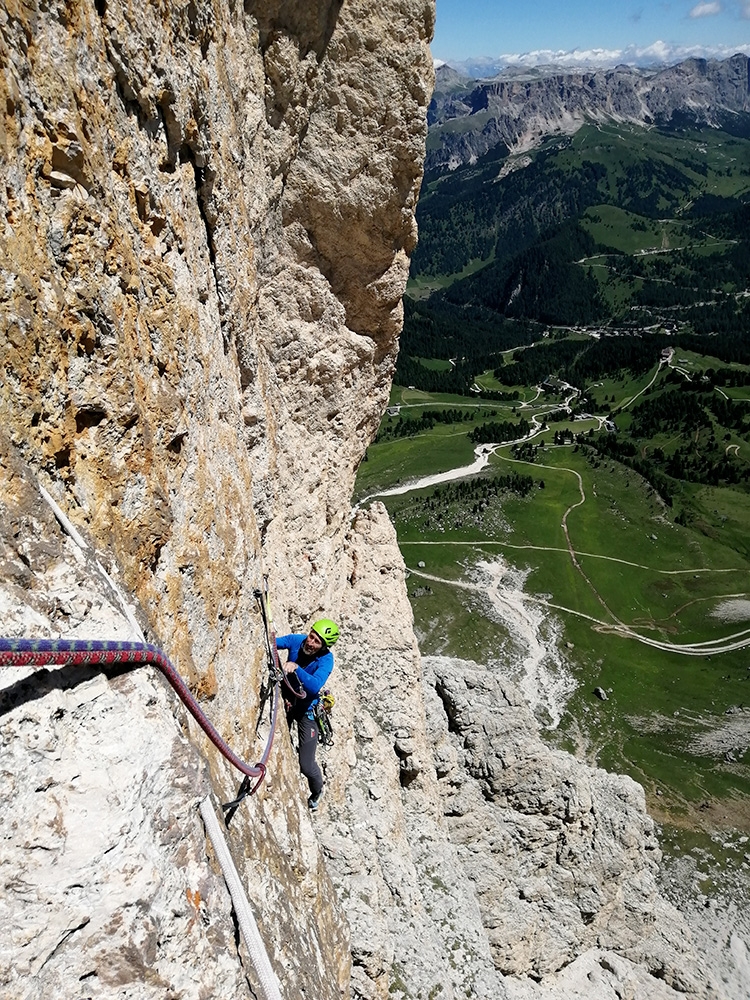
point(267, 981)
point(80, 652)
point(75, 652)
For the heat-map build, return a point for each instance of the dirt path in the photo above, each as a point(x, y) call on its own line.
point(739, 640)
point(579, 552)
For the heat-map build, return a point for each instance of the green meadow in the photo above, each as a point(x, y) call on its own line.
point(634, 545)
point(672, 721)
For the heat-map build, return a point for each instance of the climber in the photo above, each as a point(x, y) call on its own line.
point(308, 667)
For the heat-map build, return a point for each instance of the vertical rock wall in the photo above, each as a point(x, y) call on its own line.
point(207, 211)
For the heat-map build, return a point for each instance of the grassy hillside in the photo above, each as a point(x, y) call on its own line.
point(589, 302)
point(615, 227)
point(621, 573)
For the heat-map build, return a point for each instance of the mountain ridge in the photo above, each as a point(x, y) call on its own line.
point(518, 111)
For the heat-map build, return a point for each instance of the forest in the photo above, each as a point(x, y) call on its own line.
point(578, 361)
point(581, 361)
point(474, 336)
point(498, 431)
point(698, 424)
point(541, 283)
point(551, 253)
point(391, 429)
point(466, 499)
point(465, 215)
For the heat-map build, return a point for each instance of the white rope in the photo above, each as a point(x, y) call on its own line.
point(267, 982)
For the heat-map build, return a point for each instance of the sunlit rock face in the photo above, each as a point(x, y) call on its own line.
point(208, 210)
point(207, 215)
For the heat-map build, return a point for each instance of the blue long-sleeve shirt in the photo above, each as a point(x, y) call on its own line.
point(312, 672)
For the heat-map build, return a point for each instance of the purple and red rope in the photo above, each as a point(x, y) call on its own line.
point(80, 652)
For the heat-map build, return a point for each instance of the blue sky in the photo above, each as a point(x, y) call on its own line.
point(618, 30)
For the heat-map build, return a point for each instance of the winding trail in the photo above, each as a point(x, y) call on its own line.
point(572, 551)
point(615, 626)
point(738, 640)
point(482, 457)
point(589, 555)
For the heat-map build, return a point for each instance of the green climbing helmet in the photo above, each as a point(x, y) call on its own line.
point(327, 630)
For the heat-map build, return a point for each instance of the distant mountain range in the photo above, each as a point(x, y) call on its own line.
point(519, 107)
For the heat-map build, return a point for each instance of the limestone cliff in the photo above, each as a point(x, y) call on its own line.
point(208, 210)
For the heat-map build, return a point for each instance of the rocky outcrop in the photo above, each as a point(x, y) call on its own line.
point(484, 863)
point(516, 111)
point(563, 858)
point(98, 792)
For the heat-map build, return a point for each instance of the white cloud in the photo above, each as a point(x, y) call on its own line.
point(705, 10)
point(541, 57)
point(658, 53)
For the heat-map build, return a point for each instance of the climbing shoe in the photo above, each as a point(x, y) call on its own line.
point(314, 801)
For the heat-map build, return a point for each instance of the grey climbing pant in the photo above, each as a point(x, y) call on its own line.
point(307, 731)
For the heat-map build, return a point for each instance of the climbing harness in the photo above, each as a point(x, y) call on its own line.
point(79, 652)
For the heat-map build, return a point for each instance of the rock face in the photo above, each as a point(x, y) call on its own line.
point(108, 883)
point(517, 110)
point(207, 212)
point(208, 209)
